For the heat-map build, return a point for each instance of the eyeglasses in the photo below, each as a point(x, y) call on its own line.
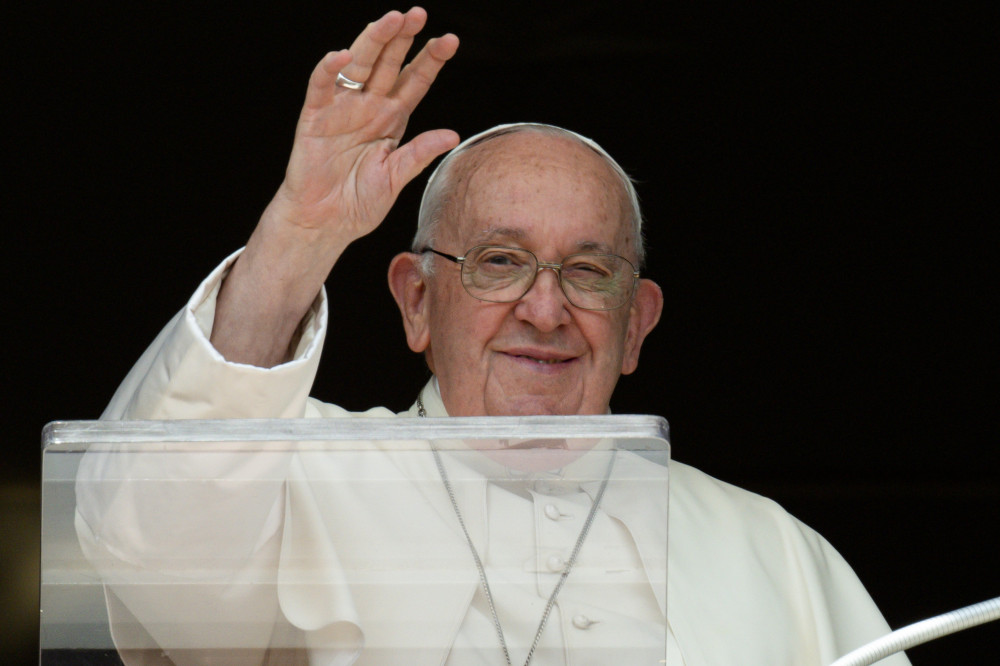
point(505, 274)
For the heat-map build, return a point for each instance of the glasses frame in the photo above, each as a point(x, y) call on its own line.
point(539, 267)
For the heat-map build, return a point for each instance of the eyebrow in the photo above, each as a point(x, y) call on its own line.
point(495, 234)
point(499, 233)
point(598, 248)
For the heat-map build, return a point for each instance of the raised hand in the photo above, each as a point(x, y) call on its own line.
point(347, 167)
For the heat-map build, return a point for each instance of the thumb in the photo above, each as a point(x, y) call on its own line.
point(413, 157)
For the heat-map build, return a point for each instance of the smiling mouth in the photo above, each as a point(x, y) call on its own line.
point(545, 361)
point(542, 361)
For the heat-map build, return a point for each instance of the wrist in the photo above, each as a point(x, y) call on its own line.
point(269, 291)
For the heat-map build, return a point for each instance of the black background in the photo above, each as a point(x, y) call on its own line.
point(819, 183)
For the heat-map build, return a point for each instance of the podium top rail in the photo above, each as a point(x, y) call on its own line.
point(79, 435)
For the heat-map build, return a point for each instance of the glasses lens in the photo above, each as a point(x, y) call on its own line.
point(590, 281)
point(497, 274)
point(597, 281)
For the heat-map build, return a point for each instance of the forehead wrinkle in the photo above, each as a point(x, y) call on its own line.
point(495, 233)
point(501, 235)
point(493, 161)
point(507, 158)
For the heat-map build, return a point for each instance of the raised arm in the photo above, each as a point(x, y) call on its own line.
point(348, 165)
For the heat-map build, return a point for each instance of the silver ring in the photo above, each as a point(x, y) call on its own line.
point(350, 84)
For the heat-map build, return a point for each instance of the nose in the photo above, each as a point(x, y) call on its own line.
point(544, 306)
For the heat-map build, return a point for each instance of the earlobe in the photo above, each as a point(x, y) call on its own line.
point(647, 305)
point(409, 289)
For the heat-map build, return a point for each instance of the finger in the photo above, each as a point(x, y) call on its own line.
point(413, 157)
point(323, 80)
point(416, 79)
point(390, 61)
point(369, 44)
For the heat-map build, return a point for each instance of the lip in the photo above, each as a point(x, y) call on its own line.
point(540, 360)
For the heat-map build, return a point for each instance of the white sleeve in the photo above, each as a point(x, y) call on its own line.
point(182, 376)
point(188, 545)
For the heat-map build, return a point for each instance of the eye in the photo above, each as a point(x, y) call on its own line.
point(584, 269)
point(498, 259)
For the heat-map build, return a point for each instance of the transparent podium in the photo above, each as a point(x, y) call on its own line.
point(355, 540)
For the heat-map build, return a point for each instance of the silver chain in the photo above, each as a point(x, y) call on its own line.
point(482, 570)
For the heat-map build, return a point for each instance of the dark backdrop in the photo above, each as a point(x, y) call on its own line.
point(819, 189)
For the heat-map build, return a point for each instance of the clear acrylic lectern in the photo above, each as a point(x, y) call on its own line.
point(355, 540)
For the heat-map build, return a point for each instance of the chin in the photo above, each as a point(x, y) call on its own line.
point(535, 406)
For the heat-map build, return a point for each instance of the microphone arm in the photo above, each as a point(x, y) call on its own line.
point(922, 632)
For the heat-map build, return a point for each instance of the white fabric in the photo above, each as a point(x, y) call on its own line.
point(748, 584)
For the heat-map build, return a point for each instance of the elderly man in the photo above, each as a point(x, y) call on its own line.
point(523, 293)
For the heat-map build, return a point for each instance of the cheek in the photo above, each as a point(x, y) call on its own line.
point(461, 328)
point(455, 340)
point(606, 336)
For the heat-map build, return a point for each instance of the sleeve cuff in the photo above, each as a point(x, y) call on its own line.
point(200, 315)
point(182, 376)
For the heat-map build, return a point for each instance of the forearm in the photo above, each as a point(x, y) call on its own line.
point(262, 302)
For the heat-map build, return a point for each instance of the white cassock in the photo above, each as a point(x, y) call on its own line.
point(302, 551)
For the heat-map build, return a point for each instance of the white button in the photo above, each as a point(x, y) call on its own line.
point(555, 563)
point(582, 622)
point(544, 487)
point(552, 512)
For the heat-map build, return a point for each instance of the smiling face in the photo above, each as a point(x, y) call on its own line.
point(538, 355)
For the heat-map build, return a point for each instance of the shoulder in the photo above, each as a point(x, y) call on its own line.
point(733, 519)
point(697, 491)
point(738, 560)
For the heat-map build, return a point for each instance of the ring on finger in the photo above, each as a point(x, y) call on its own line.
point(350, 84)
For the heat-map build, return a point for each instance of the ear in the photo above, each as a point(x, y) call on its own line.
point(647, 305)
point(409, 288)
